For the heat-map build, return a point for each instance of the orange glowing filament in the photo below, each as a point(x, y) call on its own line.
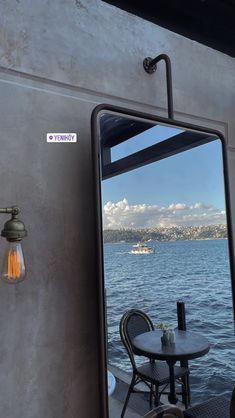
point(13, 264)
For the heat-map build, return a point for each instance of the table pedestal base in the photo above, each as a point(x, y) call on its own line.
point(172, 395)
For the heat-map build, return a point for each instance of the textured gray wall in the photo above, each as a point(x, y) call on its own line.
point(48, 325)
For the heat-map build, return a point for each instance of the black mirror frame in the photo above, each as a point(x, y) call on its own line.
point(96, 184)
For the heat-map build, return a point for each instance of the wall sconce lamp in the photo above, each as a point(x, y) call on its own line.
point(13, 266)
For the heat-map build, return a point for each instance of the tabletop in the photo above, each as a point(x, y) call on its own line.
point(188, 345)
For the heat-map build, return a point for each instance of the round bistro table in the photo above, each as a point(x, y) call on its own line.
point(187, 346)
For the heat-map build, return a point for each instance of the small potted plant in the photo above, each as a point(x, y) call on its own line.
point(168, 335)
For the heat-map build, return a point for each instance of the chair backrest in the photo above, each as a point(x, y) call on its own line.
point(165, 411)
point(133, 323)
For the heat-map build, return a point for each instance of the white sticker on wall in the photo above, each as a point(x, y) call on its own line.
point(61, 137)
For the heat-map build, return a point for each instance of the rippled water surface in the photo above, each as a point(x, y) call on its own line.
point(196, 272)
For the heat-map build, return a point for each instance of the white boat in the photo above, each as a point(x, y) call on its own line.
point(141, 248)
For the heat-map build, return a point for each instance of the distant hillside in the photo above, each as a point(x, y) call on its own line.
point(174, 233)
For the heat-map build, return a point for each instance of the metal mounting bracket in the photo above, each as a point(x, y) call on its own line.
point(150, 66)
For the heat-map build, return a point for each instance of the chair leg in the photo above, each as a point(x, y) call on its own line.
point(130, 390)
point(156, 395)
point(151, 396)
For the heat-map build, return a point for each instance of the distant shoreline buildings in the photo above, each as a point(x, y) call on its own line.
point(173, 233)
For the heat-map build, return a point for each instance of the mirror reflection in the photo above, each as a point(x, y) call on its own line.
point(165, 241)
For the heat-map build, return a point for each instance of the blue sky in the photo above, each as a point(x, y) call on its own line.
point(188, 179)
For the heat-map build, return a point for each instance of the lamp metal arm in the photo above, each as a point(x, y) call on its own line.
point(14, 210)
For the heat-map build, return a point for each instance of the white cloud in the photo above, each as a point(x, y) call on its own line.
point(178, 206)
point(200, 206)
point(123, 215)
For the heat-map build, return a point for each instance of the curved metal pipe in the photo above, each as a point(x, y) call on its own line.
point(150, 66)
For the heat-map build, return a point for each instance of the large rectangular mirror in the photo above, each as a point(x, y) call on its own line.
point(163, 236)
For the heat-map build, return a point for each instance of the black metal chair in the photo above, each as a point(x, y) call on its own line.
point(217, 407)
point(153, 373)
point(165, 411)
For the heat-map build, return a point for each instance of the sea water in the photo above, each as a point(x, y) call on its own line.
point(196, 272)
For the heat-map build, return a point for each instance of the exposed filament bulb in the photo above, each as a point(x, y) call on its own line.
point(13, 268)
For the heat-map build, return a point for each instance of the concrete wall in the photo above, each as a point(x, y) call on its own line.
point(58, 61)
